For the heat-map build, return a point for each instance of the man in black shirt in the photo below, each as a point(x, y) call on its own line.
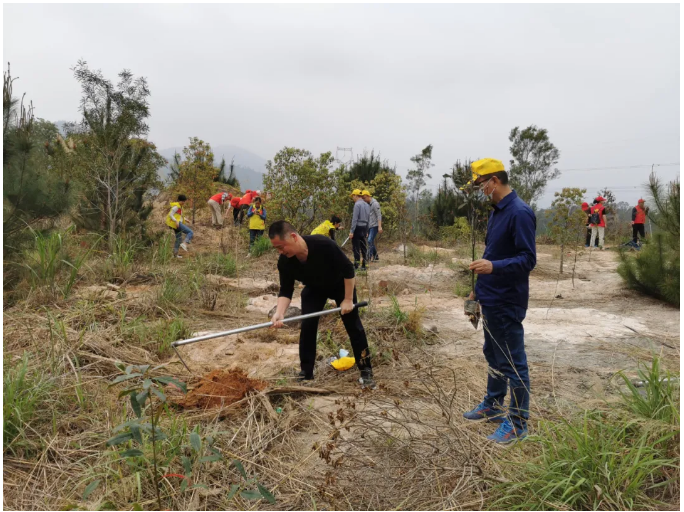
point(318, 263)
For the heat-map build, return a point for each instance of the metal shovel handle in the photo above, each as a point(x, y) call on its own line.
point(261, 326)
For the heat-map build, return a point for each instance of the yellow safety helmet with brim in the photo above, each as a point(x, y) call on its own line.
point(483, 167)
point(356, 192)
point(366, 193)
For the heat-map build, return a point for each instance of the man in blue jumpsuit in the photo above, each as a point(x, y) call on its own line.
point(503, 291)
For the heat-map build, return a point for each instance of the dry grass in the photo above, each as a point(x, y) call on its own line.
point(403, 446)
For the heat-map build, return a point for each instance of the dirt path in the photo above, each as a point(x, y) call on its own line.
point(578, 333)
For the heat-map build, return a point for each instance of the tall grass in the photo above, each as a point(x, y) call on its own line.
point(172, 292)
point(123, 256)
point(418, 258)
point(591, 464)
point(23, 395)
point(46, 261)
point(658, 398)
point(261, 246)
point(219, 264)
point(622, 459)
point(163, 250)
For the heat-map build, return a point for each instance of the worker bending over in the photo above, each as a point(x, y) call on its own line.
point(328, 227)
point(215, 203)
point(318, 263)
point(503, 289)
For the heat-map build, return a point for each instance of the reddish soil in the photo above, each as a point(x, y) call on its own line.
point(219, 388)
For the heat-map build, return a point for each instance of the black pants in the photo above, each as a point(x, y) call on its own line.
point(638, 229)
point(360, 245)
point(243, 211)
point(236, 212)
point(313, 300)
point(254, 234)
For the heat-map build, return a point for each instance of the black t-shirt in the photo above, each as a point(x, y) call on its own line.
point(325, 266)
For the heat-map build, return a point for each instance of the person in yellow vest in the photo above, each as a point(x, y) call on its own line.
point(174, 220)
point(328, 227)
point(257, 220)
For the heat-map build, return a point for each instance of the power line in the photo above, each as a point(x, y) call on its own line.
point(675, 164)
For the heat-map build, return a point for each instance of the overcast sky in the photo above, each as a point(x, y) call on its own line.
point(603, 79)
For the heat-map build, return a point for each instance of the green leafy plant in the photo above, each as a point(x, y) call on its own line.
point(146, 396)
point(246, 487)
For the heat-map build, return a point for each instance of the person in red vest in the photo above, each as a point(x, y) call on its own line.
point(245, 201)
point(597, 220)
point(235, 204)
point(215, 203)
point(639, 213)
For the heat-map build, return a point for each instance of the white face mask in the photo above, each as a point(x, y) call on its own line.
point(490, 194)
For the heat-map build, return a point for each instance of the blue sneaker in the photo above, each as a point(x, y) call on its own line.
point(484, 411)
point(507, 433)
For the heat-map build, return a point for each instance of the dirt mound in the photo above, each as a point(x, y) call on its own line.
point(221, 387)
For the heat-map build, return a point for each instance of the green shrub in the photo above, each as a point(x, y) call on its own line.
point(460, 231)
point(261, 246)
point(655, 269)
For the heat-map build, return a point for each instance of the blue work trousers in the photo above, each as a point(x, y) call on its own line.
point(504, 349)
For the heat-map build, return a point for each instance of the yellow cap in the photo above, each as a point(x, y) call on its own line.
point(365, 193)
point(356, 192)
point(483, 167)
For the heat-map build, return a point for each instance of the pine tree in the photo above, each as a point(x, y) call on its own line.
point(655, 268)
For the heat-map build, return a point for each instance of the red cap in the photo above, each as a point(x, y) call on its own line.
point(641, 201)
point(599, 198)
point(585, 206)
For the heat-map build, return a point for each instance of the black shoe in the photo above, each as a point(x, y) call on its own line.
point(366, 380)
point(305, 376)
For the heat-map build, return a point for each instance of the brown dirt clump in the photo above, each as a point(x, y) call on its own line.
point(220, 388)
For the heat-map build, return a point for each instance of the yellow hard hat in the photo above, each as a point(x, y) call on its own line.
point(483, 167)
point(356, 192)
point(366, 193)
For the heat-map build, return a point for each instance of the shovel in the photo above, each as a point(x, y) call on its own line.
point(197, 339)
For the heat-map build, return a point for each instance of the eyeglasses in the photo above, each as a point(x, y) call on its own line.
point(484, 184)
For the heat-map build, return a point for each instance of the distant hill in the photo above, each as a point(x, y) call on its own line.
point(249, 168)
